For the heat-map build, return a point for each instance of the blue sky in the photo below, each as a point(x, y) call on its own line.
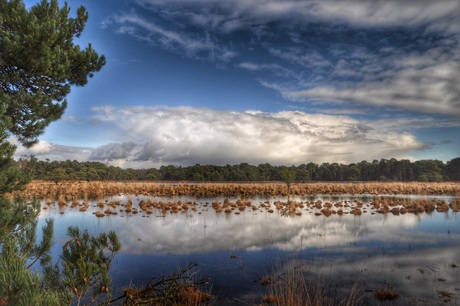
point(283, 82)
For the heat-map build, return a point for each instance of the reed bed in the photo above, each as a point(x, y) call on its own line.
point(147, 205)
point(296, 286)
point(98, 189)
point(95, 196)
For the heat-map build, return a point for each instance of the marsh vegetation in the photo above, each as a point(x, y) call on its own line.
point(336, 243)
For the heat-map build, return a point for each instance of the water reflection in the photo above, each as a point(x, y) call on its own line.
point(377, 249)
point(204, 230)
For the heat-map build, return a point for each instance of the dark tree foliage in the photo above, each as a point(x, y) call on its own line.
point(20, 250)
point(13, 176)
point(82, 269)
point(383, 170)
point(38, 64)
point(453, 169)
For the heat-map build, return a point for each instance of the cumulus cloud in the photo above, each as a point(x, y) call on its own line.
point(186, 135)
point(155, 136)
point(47, 150)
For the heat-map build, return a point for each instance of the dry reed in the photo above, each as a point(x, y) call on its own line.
point(68, 194)
point(177, 289)
point(101, 189)
point(294, 287)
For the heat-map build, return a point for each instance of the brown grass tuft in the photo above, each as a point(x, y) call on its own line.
point(386, 294)
point(295, 288)
point(177, 289)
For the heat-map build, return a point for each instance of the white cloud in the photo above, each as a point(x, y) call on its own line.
point(185, 234)
point(69, 118)
point(304, 58)
point(273, 68)
point(237, 14)
point(423, 81)
point(414, 90)
point(44, 149)
point(185, 135)
point(155, 136)
point(191, 45)
point(419, 76)
point(41, 147)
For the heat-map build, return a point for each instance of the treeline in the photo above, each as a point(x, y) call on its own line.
point(383, 170)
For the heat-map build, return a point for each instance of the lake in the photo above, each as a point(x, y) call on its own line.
point(343, 240)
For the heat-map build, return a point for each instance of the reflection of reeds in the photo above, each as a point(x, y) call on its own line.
point(61, 200)
point(455, 205)
point(101, 192)
point(129, 205)
point(446, 295)
point(99, 214)
point(381, 205)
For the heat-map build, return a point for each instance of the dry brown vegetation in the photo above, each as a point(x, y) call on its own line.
point(140, 198)
point(297, 287)
point(177, 289)
point(378, 205)
point(95, 189)
point(386, 294)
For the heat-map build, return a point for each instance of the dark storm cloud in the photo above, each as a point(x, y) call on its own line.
point(114, 151)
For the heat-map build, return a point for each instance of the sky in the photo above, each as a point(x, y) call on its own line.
point(263, 81)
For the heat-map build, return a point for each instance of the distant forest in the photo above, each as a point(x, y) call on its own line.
point(382, 170)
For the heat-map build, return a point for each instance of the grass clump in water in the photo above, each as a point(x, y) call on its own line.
point(293, 287)
point(386, 294)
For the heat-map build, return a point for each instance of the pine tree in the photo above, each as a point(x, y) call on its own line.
point(81, 274)
point(12, 176)
point(38, 64)
point(19, 251)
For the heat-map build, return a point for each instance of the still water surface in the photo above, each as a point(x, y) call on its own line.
point(415, 254)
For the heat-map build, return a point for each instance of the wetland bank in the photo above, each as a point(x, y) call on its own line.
point(255, 242)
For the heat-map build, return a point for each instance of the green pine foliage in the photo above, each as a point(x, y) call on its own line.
point(12, 175)
point(39, 63)
point(19, 251)
point(81, 275)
